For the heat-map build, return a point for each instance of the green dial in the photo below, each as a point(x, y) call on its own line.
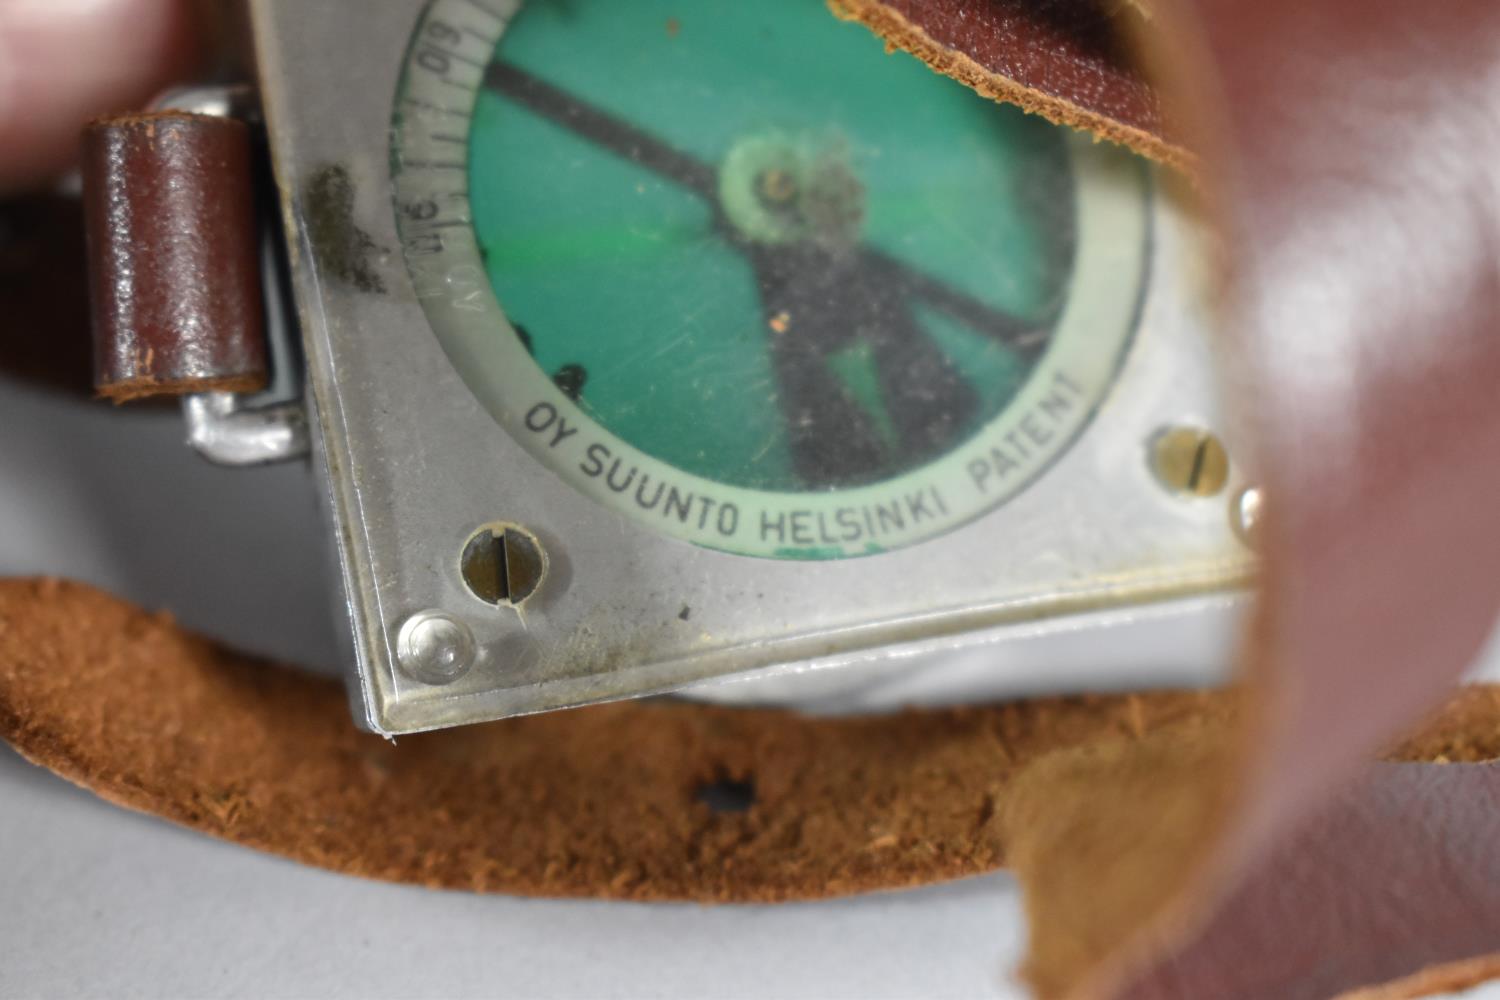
point(733, 270)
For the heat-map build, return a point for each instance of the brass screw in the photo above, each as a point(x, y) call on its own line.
point(1190, 461)
point(503, 564)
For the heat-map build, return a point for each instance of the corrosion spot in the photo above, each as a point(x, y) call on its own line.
point(342, 249)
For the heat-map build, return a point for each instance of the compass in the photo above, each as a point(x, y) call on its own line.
point(650, 344)
point(737, 273)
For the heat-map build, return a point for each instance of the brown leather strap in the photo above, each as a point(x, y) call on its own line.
point(1396, 873)
point(174, 266)
point(1349, 149)
point(1071, 61)
point(1392, 874)
point(670, 801)
point(616, 801)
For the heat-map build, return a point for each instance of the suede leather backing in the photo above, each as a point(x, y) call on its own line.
point(675, 801)
point(613, 801)
point(1074, 62)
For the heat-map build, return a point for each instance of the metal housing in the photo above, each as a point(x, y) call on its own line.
point(413, 465)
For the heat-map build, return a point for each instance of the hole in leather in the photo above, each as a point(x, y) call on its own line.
point(727, 796)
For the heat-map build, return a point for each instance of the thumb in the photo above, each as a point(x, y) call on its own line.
point(63, 62)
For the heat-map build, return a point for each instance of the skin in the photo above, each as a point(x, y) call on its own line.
point(63, 62)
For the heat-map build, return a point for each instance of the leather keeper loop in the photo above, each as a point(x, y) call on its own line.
point(174, 266)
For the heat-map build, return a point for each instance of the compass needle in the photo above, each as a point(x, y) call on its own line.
point(620, 138)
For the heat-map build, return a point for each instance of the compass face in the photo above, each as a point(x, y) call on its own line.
point(732, 270)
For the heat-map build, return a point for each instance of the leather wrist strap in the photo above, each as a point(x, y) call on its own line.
point(174, 267)
point(616, 801)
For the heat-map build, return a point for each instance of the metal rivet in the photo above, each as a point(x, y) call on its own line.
point(503, 564)
point(435, 648)
point(1245, 513)
point(1190, 461)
